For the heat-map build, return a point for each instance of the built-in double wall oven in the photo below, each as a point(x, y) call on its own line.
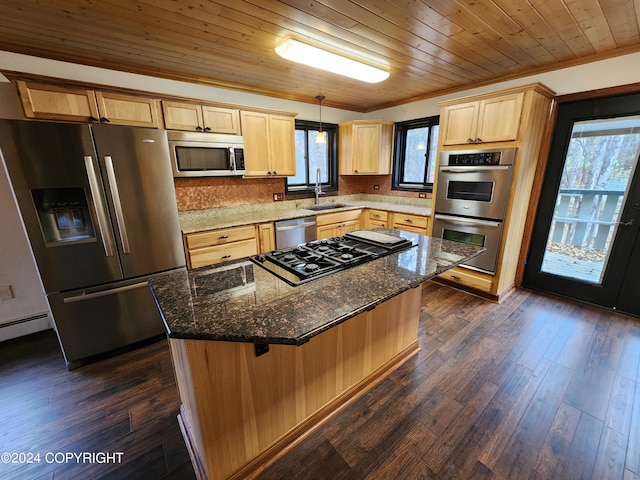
point(471, 200)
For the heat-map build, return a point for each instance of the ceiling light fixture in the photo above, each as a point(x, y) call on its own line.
point(315, 57)
point(320, 137)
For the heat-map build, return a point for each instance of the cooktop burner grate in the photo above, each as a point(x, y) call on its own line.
point(321, 257)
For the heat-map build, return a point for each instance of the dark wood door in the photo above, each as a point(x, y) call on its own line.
point(585, 243)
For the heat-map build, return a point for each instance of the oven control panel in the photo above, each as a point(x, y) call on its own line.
point(473, 158)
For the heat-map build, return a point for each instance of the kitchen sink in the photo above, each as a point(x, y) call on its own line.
point(328, 206)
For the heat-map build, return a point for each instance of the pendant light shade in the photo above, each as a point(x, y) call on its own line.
point(320, 137)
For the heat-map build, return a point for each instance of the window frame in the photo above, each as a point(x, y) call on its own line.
point(400, 142)
point(331, 132)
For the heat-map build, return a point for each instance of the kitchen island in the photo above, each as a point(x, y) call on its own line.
point(260, 363)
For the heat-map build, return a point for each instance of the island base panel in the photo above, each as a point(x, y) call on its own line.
point(240, 412)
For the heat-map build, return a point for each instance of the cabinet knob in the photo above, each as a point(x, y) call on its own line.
point(455, 277)
point(275, 173)
point(223, 237)
point(199, 128)
point(470, 140)
point(355, 171)
point(93, 119)
point(376, 215)
point(207, 129)
point(478, 140)
point(408, 220)
point(104, 120)
point(226, 256)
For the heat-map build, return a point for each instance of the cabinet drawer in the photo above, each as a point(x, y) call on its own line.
point(469, 278)
point(219, 237)
point(407, 228)
point(338, 217)
point(406, 219)
point(222, 253)
point(377, 215)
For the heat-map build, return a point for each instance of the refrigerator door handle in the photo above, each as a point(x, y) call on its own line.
point(115, 196)
point(104, 293)
point(103, 222)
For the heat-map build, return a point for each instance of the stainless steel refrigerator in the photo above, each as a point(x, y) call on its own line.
point(99, 208)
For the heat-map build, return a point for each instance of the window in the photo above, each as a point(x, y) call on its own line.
point(310, 156)
point(414, 159)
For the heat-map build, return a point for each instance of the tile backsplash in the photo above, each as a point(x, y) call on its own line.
point(211, 192)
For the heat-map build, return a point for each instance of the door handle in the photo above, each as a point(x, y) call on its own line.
point(626, 224)
point(103, 223)
point(115, 196)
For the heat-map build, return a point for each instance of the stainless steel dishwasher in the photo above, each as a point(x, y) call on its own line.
point(294, 232)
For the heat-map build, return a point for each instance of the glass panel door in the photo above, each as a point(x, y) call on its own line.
point(600, 160)
point(587, 224)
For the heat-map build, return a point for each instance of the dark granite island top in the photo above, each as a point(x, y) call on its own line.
point(239, 301)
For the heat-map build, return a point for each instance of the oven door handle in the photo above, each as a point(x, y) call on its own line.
point(474, 169)
point(467, 221)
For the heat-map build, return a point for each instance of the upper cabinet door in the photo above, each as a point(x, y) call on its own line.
point(499, 118)
point(182, 116)
point(282, 145)
point(54, 102)
point(221, 120)
point(366, 154)
point(459, 123)
point(128, 110)
point(255, 127)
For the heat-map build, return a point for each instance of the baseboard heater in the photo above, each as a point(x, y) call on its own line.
point(23, 320)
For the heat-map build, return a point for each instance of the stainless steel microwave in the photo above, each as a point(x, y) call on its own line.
point(195, 154)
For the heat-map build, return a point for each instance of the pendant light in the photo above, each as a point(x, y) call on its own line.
point(320, 137)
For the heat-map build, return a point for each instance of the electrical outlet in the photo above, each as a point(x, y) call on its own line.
point(278, 197)
point(376, 187)
point(422, 195)
point(6, 293)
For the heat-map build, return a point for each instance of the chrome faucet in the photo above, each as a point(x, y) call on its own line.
point(318, 188)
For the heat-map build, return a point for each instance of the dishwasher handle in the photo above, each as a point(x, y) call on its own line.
point(284, 228)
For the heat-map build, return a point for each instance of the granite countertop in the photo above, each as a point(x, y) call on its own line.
point(239, 301)
point(193, 221)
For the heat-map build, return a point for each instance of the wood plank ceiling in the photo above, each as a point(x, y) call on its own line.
point(430, 47)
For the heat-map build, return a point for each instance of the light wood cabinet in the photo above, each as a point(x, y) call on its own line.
point(269, 144)
point(71, 104)
point(410, 223)
point(375, 218)
point(337, 224)
point(200, 118)
point(516, 117)
point(266, 237)
point(221, 245)
point(495, 119)
point(365, 147)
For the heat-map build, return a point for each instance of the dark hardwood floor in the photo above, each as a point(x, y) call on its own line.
point(534, 388)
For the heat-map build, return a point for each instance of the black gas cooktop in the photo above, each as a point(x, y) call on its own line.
point(316, 259)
